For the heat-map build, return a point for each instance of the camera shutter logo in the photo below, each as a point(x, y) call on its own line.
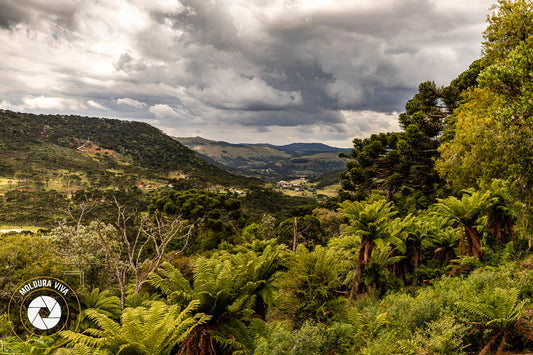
point(34, 310)
point(42, 307)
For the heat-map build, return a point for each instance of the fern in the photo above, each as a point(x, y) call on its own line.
point(142, 330)
point(497, 313)
point(227, 287)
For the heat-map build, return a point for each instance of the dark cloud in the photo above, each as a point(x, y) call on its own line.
point(36, 12)
point(251, 64)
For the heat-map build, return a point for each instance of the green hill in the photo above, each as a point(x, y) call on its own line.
point(41, 145)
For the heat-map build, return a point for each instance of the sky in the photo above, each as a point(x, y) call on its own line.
point(241, 71)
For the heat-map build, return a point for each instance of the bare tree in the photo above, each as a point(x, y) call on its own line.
point(142, 249)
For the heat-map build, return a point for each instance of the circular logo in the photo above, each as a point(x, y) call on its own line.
point(54, 310)
point(42, 307)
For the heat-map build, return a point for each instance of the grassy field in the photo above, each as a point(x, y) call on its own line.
point(5, 228)
point(309, 190)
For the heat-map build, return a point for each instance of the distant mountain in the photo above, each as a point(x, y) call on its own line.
point(269, 161)
point(314, 147)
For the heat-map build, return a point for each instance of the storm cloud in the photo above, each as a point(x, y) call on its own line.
point(237, 70)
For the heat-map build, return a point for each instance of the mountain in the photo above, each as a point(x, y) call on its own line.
point(268, 161)
point(310, 147)
point(98, 152)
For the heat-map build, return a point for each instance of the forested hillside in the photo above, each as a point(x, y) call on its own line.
point(137, 143)
point(46, 159)
point(427, 249)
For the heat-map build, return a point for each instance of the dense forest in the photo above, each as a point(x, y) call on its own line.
point(427, 249)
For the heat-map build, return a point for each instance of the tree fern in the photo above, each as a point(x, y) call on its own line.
point(153, 330)
point(80, 349)
point(370, 221)
point(496, 313)
point(226, 286)
point(467, 212)
point(100, 301)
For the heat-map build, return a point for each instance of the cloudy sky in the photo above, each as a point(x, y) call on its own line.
point(276, 71)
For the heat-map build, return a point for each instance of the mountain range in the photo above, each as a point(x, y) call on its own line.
point(269, 161)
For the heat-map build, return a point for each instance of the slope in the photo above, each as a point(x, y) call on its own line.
point(36, 146)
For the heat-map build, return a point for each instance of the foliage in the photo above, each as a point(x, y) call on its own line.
point(217, 216)
point(509, 24)
point(311, 338)
point(100, 301)
point(226, 286)
point(308, 291)
point(497, 312)
point(139, 143)
point(467, 213)
point(23, 257)
point(493, 129)
point(368, 221)
point(443, 336)
point(79, 247)
point(144, 330)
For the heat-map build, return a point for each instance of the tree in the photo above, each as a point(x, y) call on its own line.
point(130, 251)
point(217, 216)
point(509, 24)
point(78, 247)
point(493, 134)
point(372, 164)
point(443, 239)
point(467, 212)
point(402, 164)
point(497, 314)
point(412, 232)
point(23, 257)
point(305, 230)
point(227, 286)
point(369, 221)
point(500, 217)
point(100, 301)
point(493, 125)
point(308, 291)
point(377, 273)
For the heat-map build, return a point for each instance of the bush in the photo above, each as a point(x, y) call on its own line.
point(310, 339)
point(443, 337)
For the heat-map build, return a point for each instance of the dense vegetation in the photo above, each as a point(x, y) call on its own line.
point(48, 159)
point(426, 249)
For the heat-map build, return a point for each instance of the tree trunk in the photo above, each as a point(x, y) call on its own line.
point(474, 248)
point(358, 271)
point(294, 234)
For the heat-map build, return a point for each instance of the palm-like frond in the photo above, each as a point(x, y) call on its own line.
point(153, 330)
point(468, 209)
point(80, 349)
point(499, 311)
point(226, 286)
point(101, 302)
